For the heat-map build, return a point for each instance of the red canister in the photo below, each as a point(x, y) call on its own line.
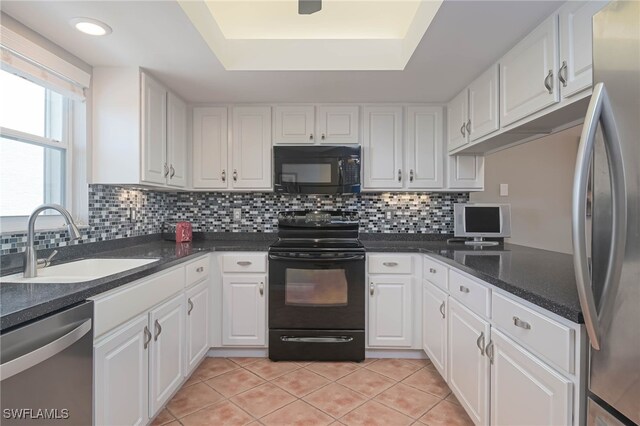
point(183, 232)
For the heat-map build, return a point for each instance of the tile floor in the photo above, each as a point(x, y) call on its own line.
point(256, 391)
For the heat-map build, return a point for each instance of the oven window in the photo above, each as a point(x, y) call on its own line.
point(321, 287)
point(306, 173)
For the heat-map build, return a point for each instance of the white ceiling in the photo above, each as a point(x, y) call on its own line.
point(464, 38)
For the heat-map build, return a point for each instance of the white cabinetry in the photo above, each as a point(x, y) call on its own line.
point(210, 148)
point(251, 148)
point(338, 124)
point(434, 325)
point(294, 124)
point(138, 130)
point(457, 119)
point(244, 310)
point(528, 73)
point(423, 148)
point(299, 124)
point(390, 311)
point(466, 172)
point(483, 105)
point(197, 325)
point(382, 147)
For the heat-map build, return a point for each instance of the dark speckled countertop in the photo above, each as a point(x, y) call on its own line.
point(542, 277)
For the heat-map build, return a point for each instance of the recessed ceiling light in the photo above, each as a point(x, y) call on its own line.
point(91, 26)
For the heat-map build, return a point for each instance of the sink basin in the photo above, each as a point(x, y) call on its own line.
point(78, 271)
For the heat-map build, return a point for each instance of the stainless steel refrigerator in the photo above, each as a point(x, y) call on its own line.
point(606, 218)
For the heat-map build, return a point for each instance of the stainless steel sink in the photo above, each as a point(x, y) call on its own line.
point(79, 271)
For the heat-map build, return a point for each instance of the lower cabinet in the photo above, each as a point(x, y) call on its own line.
point(524, 390)
point(197, 325)
point(244, 318)
point(390, 311)
point(468, 366)
point(434, 325)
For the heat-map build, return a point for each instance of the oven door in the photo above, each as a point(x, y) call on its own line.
point(320, 291)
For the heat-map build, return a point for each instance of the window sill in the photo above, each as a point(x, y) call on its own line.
point(18, 224)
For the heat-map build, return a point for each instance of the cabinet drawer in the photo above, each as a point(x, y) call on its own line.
point(549, 338)
point(473, 295)
point(120, 305)
point(197, 270)
point(244, 262)
point(434, 272)
point(385, 264)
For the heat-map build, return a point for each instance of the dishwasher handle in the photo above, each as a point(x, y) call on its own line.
point(26, 361)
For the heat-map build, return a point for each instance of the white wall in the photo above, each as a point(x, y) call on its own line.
point(540, 179)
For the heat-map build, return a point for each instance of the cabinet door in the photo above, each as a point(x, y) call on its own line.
point(423, 149)
point(576, 35)
point(166, 322)
point(390, 311)
point(468, 364)
point(176, 141)
point(457, 118)
point(251, 148)
point(197, 325)
point(524, 390)
point(382, 145)
point(210, 143)
point(528, 74)
point(244, 320)
point(121, 371)
point(154, 132)
point(294, 124)
point(466, 172)
point(483, 105)
point(338, 124)
point(434, 325)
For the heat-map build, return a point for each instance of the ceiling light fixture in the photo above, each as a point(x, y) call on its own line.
point(91, 26)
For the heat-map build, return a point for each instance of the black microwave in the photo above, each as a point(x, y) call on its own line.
point(316, 169)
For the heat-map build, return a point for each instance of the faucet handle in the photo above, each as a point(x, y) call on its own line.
point(43, 263)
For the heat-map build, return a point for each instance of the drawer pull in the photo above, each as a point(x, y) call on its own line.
point(480, 343)
point(243, 262)
point(190, 307)
point(464, 289)
point(522, 324)
point(432, 270)
point(442, 309)
point(390, 264)
point(200, 269)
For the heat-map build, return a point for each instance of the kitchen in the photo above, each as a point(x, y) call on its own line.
point(306, 212)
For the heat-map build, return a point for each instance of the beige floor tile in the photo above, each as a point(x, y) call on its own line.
point(452, 398)
point(222, 413)
point(300, 382)
point(262, 400)
point(333, 370)
point(234, 382)
point(410, 401)
point(335, 399)
point(375, 414)
point(192, 399)
point(297, 414)
point(367, 382)
point(212, 367)
point(269, 370)
point(243, 361)
point(396, 369)
point(424, 362)
point(191, 381)
point(428, 381)
point(446, 414)
point(163, 418)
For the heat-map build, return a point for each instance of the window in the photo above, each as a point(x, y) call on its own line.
point(34, 146)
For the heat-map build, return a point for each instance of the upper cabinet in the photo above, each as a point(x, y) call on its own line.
point(210, 147)
point(300, 125)
point(423, 148)
point(483, 105)
point(457, 119)
point(382, 147)
point(138, 130)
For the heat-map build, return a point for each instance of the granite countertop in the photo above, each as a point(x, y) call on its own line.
point(542, 277)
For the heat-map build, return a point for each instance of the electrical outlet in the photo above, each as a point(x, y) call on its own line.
point(388, 214)
point(504, 189)
point(237, 215)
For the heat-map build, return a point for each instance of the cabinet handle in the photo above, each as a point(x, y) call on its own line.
point(390, 264)
point(522, 324)
point(464, 289)
point(158, 331)
point(243, 263)
point(235, 175)
point(489, 351)
point(166, 170)
point(372, 289)
point(322, 137)
point(432, 270)
point(411, 175)
point(442, 309)
point(462, 130)
point(190, 307)
point(200, 269)
point(173, 172)
point(548, 82)
point(261, 288)
point(480, 343)
point(310, 136)
point(468, 127)
point(224, 176)
point(562, 74)
point(147, 337)
point(399, 175)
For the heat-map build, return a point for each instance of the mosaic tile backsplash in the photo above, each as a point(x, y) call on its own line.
point(120, 212)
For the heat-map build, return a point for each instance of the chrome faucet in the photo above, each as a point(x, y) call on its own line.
point(30, 255)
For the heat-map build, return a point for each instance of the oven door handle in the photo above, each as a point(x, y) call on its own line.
point(317, 339)
point(317, 259)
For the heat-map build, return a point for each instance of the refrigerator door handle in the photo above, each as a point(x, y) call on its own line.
point(599, 111)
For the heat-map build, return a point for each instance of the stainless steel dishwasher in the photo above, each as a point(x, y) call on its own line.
point(46, 370)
